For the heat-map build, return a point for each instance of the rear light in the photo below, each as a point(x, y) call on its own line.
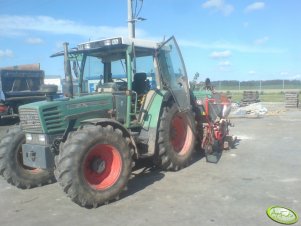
point(3, 108)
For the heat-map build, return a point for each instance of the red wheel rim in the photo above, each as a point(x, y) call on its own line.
point(102, 166)
point(180, 134)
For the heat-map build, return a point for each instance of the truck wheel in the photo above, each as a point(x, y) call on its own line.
point(94, 165)
point(11, 163)
point(175, 138)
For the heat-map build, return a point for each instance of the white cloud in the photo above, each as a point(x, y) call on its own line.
point(255, 6)
point(251, 72)
point(225, 63)
point(284, 73)
point(261, 41)
point(297, 77)
point(219, 5)
point(6, 53)
point(290, 75)
point(243, 48)
point(20, 24)
point(34, 41)
point(220, 54)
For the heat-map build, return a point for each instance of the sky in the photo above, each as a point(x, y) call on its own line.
point(220, 39)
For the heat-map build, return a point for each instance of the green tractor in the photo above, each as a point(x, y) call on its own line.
point(142, 108)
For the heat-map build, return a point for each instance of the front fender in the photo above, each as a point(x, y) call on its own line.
point(115, 124)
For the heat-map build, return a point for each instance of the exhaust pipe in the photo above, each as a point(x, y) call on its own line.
point(68, 75)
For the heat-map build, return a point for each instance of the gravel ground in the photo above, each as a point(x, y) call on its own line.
point(263, 170)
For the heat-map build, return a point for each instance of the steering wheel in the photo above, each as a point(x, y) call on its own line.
point(123, 85)
point(119, 79)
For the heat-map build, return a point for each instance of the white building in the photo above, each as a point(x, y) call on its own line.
point(54, 80)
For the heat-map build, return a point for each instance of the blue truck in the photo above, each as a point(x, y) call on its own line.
point(19, 87)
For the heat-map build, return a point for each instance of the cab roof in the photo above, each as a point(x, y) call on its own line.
point(113, 47)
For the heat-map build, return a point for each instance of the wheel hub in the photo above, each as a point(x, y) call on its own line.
point(98, 165)
point(208, 149)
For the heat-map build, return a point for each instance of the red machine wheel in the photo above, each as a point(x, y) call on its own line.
point(94, 165)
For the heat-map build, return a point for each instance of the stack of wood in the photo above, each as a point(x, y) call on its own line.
point(291, 99)
point(250, 97)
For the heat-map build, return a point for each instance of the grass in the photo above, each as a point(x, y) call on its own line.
point(272, 97)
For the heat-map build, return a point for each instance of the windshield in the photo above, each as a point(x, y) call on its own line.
point(96, 71)
point(173, 73)
point(93, 68)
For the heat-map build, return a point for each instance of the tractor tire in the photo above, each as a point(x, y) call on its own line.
point(11, 163)
point(94, 165)
point(176, 139)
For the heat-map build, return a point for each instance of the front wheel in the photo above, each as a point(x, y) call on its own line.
point(11, 163)
point(94, 165)
point(175, 138)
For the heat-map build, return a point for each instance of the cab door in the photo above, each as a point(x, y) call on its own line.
point(173, 73)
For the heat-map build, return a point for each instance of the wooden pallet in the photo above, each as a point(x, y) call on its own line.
point(250, 97)
point(291, 99)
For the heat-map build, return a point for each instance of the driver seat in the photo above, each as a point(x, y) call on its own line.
point(139, 84)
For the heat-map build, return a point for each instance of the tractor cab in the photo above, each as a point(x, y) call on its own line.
point(125, 68)
point(133, 71)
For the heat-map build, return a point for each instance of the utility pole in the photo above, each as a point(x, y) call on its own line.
point(133, 17)
point(131, 21)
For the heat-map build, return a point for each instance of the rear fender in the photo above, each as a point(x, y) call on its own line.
point(149, 117)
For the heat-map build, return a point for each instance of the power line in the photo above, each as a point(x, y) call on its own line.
point(141, 5)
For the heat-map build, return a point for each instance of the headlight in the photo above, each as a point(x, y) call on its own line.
point(33, 138)
point(28, 137)
point(107, 42)
point(87, 46)
point(99, 44)
point(116, 41)
point(41, 138)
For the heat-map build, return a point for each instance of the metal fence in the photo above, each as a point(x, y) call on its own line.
point(270, 85)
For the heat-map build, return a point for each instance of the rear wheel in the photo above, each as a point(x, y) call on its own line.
point(175, 138)
point(94, 165)
point(11, 163)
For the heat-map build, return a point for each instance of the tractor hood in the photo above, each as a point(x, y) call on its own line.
point(52, 117)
